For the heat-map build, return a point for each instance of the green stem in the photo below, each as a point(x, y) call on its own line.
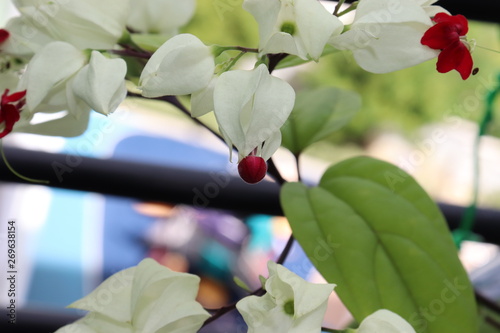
point(30, 180)
point(352, 7)
point(233, 62)
point(464, 231)
point(337, 7)
point(487, 48)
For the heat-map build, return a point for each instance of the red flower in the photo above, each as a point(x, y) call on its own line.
point(10, 107)
point(448, 35)
point(4, 34)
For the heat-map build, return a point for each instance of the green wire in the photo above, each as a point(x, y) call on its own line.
point(464, 231)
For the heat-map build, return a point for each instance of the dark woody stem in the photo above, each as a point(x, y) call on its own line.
point(272, 170)
point(131, 53)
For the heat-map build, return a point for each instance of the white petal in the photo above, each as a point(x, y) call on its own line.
point(315, 26)
point(385, 321)
point(89, 24)
point(24, 39)
point(271, 145)
point(50, 67)
point(202, 101)
point(385, 35)
point(397, 47)
point(273, 102)
point(155, 289)
point(267, 313)
point(266, 14)
point(233, 92)
point(160, 16)
point(111, 298)
point(101, 83)
point(182, 65)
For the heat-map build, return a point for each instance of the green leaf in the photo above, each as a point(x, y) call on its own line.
point(291, 60)
point(317, 114)
point(372, 230)
point(149, 42)
point(240, 283)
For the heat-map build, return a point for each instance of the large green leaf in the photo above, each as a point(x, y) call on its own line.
point(317, 114)
point(372, 230)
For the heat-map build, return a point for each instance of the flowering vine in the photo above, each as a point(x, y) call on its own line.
point(89, 55)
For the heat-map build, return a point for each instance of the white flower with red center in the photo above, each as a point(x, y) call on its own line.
point(385, 34)
point(250, 108)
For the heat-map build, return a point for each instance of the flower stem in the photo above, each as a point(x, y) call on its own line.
point(286, 250)
point(487, 48)
point(324, 329)
point(30, 180)
point(131, 53)
point(228, 308)
point(464, 230)
point(349, 9)
point(337, 7)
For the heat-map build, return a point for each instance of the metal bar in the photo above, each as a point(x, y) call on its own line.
point(181, 186)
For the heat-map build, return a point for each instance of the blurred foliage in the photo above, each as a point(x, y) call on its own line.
point(402, 101)
point(405, 100)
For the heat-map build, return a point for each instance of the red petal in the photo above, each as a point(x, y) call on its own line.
point(440, 36)
point(459, 21)
point(457, 56)
point(12, 98)
point(10, 115)
point(4, 34)
point(252, 169)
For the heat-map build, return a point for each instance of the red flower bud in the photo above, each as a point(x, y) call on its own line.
point(252, 169)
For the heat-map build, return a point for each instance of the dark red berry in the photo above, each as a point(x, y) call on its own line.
point(252, 169)
point(4, 34)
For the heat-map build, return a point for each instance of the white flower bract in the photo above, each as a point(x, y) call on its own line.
point(146, 298)
point(298, 27)
point(89, 24)
point(101, 83)
point(48, 76)
point(290, 305)
point(181, 66)
point(384, 321)
point(385, 35)
point(250, 108)
point(160, 16)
